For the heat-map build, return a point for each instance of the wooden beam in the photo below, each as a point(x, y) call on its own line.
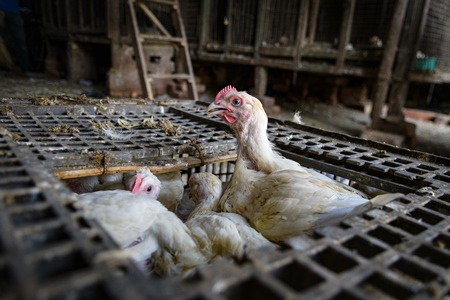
point(313, 20)
point(381, 87)
point(300, 39)
point(346, 31)
point(204, 26)
point(260, 26)
point(179, 164)
point(153, 18)
point(113, 30)
point(409, 45)
point(139, 53)
point(192, 86)
point(261, 78)
point(229, 26)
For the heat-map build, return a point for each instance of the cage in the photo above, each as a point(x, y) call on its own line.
point(190, 11)
point(47, 247)
point(435, 40)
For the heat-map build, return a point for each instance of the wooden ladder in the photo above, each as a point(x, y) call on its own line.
point(161, 37)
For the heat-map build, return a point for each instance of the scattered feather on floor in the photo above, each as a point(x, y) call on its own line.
point(297, 118)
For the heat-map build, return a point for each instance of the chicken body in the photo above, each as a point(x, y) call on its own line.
point(278, 196)
point(219, 235)
point(172, 189)
point(88, 184)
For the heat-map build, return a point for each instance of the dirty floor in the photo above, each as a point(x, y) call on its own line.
point(431, 137)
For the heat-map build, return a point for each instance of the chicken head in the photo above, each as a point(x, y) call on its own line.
point(237, 109)
point(144, 182)
point(204, 186)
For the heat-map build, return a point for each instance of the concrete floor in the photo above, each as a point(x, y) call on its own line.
point(431, 137)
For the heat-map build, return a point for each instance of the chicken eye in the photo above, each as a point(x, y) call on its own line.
point(236, 101)
point(149, 189)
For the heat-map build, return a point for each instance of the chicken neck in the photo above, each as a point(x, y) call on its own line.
point(205, 206)
point(254, 146)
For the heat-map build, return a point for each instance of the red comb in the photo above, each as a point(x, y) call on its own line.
point(224, 91)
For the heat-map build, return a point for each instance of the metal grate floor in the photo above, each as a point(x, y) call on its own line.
point(47, 249)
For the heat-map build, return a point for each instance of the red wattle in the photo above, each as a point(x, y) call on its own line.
point(229, 118)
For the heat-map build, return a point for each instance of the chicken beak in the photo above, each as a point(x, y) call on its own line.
point(137, 184)
point(214, 109)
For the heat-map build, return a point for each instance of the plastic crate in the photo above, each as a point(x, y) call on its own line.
point(426, 64)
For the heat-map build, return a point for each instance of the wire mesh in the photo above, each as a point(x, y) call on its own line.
point(218, 21)
point(244, 22)
point(281, 22)
point(329, 21)
point(163, 12)
point(88, 16)
point(190, 12)
point(54, 14)
point(436, 36)
point(371, 18)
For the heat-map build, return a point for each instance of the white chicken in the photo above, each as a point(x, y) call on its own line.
point(143, 227)
point(219, 235)
point(171, 190)
point(88, 184)
point(81, 185)
point(114, 210)
point(278, 196)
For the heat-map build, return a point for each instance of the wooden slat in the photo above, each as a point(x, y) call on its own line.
point(140, 59)
point(152, 37)
point(187, 57)
point(169, 76)
point(179, 164)
point(153, 18)
point(183, 63)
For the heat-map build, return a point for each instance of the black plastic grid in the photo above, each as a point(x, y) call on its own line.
point(400, 251)
point(47, 248)
point(378, 165)
point(89, 149)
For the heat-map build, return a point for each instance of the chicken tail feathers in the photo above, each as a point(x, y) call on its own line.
point(385, 199)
